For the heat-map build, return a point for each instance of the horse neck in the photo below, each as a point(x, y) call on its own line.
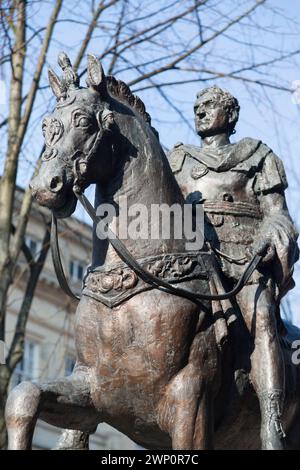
point(144, 177)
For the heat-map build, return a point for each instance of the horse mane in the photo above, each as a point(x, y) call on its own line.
point(122, 91)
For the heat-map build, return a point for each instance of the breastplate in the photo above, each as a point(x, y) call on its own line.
point(198, 183)
point(232, 211)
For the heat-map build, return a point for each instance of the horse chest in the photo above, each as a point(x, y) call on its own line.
point(132, 339)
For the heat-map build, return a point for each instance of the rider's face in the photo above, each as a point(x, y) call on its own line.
point(210, 117)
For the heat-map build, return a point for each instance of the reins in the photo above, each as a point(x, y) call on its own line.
point(132, 263)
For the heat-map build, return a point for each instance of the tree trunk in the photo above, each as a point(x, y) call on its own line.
point(8, 179)
point(4, 383)
point(5, 281)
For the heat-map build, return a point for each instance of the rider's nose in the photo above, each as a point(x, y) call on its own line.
point(56, 184)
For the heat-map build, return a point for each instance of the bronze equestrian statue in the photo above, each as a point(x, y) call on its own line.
point(153, 360)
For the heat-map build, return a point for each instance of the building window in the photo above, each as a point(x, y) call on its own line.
point(76, 270)
point(69, 364)
point(33, 245)
point(28, 367)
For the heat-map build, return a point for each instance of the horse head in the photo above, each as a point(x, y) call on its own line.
point(73, 134)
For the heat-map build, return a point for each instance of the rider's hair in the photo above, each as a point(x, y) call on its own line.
point(226, 100)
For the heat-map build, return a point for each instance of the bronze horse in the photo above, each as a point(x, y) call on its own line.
point(148, 363)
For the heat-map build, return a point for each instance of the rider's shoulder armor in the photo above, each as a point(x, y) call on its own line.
point(272, 176)
point(176, 157)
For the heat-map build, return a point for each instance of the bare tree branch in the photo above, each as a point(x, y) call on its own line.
point(214, 75)
point(7, 182)
point(116, 38)
point(183, 56)
point(25, 120)
point(92, 25)
point(16, 350)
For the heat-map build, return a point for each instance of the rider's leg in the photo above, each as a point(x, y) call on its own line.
point(257, 305)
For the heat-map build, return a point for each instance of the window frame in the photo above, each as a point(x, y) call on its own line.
point(32, 239)
point(75, 266)
point(28, 368)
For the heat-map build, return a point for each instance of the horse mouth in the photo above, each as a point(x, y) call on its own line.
point(67, 208)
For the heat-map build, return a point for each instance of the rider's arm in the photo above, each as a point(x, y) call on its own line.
point(277, 229)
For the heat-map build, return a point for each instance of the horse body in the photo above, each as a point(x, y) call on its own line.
point(138, 352)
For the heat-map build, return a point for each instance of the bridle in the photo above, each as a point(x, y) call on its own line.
point(122, 251)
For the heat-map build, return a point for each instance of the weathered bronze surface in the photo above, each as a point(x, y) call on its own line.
point(241, 187)
point(159, 368)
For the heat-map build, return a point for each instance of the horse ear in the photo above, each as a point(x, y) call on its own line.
point(55, 84)
point(96, 75)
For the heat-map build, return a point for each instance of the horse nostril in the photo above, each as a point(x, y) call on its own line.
point(56, 184)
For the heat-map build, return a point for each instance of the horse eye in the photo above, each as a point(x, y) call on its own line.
point(83, 122)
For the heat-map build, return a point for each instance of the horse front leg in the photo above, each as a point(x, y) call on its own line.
point(21, 413)
point(65, 403)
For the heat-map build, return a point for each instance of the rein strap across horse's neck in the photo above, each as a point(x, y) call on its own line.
point(126, 256)
point(57, 261)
